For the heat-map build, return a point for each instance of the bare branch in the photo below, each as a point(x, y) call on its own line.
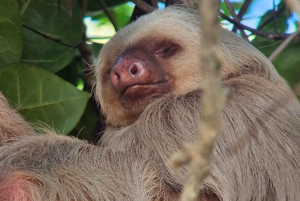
point(284, 44)
point(294, 6)
point(273, 36)
point(242, 12)
point(87, 57)
point(212, 102)
point(108, 14)
point(144, 6)
point(86, 52)
point(231, 10)
point(274, 17)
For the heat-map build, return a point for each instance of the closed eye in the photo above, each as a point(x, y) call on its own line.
point(162, 51)
point(167, 50)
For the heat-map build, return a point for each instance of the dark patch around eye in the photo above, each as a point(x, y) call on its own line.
point(166, 49)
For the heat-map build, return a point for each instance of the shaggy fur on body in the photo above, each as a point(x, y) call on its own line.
point(257, 152)
point(11, 123)
point(131, 163)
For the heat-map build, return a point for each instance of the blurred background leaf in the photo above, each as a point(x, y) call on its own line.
point(40, 96)
point(10, 32)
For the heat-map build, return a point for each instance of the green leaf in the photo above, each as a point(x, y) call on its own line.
point(10, 32)
point(41, 96)
point(87, 124)
point(45, 54)
point(266, 46)
point(122, 14)
point(49, 27)
point(96, 47)
point(281, 21)
point(73, 72)
point(287, 62)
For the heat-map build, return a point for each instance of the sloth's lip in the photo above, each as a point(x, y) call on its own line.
point(135, 86)
point(138, 96)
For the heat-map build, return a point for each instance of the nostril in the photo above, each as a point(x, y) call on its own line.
point(136, 69)
point(117, 76)
point(133, 69)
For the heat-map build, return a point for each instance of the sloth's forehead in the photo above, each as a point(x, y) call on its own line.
point(168, 23)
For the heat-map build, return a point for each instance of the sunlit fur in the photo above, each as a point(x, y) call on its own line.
point(258, 149)
point(257, 152)
point(184, 27)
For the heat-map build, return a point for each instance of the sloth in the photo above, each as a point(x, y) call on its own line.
point(149, 88)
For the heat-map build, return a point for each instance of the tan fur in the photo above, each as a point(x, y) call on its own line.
point(59, 168)
point(257, 155)
point(257, 152)
point(184, 27)
point(11, 123)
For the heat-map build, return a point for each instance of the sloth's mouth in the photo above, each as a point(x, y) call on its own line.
point(140, 95)
point(140, 86)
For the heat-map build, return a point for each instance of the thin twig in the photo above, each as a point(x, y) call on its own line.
point(284, 44)
point(244, 8)
point(86, 52)
point(108, 14)
point(294, 6)
point(242, 12)
point(232, 12)
point(270, 19)
point(274, 17)
point(273, 36)
point(48, 37)
point(144, 6)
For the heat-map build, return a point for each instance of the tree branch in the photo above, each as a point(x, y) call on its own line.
point(274, 17)
point(231, 10)
point(273, 36)
point(86, 53)
point(212, 101)
point(144, 6)
point(242, 12)
point(295, 6)
point(284, 44)
point(108, 14)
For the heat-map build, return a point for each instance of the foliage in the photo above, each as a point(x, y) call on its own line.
point(41, 96)
point(288, 62)
point(43, 55)
point(39, 40)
